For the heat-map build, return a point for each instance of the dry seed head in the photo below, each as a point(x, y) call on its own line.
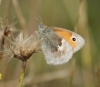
point(5, 28)
point(22, 47)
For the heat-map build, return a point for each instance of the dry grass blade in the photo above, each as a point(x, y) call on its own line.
point(98, 75)
point(0, 1)
point(19, 15)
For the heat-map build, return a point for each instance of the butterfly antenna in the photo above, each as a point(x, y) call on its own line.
point(39, 19)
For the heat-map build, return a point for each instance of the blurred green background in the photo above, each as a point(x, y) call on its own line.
point(81, 16)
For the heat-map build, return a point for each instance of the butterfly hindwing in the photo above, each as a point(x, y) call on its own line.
point(56, 49)
point(59, 44)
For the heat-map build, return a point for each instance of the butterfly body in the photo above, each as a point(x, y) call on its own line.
point(58, 44)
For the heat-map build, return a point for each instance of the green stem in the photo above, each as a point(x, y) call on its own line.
point(22, 74)
point(72, 73)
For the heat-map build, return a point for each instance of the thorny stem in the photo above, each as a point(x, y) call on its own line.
point(22, 74)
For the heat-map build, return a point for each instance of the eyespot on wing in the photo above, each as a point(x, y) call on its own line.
point(68, 36)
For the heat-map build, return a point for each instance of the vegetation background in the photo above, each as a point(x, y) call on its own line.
point(81, 16)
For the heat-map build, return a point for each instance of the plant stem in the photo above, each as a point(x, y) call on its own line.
point(78, 15)
point(98, 75)
point(72, 73)
point(22, 74)
point(20, 15)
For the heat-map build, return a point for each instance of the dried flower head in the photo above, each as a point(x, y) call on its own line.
point(22, 47)
point(5, 30)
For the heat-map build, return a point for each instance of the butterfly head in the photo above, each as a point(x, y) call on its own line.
point(41, 26)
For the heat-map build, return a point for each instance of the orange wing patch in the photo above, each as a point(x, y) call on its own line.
point(66, 35)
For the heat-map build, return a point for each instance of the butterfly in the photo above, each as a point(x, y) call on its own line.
point(58, 44)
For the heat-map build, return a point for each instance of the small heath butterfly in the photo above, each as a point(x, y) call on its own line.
point(58, 44)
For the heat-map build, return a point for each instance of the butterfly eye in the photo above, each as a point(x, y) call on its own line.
point(41, 26)
point(73, 38)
